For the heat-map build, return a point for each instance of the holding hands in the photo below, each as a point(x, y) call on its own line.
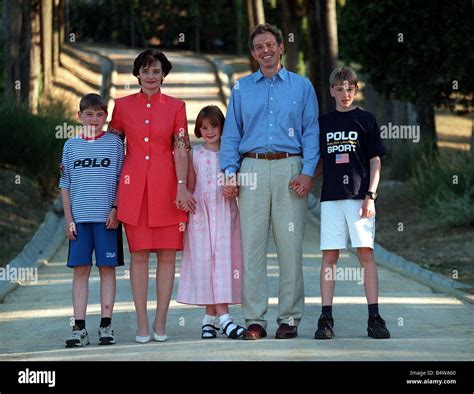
point(301, 185)
point(185, 200)
point(230, 189)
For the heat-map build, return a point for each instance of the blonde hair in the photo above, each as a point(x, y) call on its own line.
point(342, 74)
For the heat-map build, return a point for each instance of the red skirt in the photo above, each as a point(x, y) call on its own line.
point(143, 237)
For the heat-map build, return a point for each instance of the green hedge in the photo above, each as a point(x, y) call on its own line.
point(29, 142)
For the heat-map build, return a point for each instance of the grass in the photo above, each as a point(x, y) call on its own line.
point(22, 210)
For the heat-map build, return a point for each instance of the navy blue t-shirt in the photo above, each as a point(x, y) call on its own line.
point(348, 140)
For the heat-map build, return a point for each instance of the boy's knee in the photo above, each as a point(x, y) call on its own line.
point(107, 270)
point(82, 270)
point(366, 256)
point(330, 256)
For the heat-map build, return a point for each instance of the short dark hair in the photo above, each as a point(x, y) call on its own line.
point(148, 57)
point(213, 114)
point(92, 101)
point(265, 28)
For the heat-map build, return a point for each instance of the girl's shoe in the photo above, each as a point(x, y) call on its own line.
point(230, 329)
point(209, 331)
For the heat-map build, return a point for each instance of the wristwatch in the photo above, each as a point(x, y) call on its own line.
point(181, 182)
point(372, 195)
point(114, 207)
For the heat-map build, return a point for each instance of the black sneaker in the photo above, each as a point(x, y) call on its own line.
point(376, 328)
point(325, 327)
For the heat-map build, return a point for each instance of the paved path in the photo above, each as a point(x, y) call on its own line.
point(34, 319)
point(424, 326)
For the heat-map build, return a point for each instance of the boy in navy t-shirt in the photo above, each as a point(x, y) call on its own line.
point(90, 169)
point(351, 148)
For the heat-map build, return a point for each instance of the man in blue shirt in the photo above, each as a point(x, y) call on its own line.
point(271, 135)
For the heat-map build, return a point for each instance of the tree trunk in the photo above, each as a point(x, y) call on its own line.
point(255, 14)
point(25, 47)
point(328, 47)
point(61, 26)
point(56, 42)
point(46, 42)
point(259, 12)
point(250, 15)
point(12, 24)
point(425, 119)
point(290, 34)
point(34, 57)
point(238, 6)
point(312, 53)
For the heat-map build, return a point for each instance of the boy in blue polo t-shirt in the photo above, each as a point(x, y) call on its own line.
point(351, 148)
point(90, 170)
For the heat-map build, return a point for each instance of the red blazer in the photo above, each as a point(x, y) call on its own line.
point(148, 126)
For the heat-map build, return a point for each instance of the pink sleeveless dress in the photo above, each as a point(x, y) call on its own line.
point(211, 268)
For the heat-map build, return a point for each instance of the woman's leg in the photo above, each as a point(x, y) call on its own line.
point(80, 290)
point(139, 282)
point(164, 287)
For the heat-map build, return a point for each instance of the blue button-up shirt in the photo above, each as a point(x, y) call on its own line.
point(278, 114)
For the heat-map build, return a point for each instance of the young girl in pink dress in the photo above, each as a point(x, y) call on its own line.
point(211, 266)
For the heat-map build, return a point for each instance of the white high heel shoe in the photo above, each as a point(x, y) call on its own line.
point(142, 338)
point(160, 338)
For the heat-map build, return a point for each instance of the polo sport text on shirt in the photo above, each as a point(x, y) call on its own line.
point(105, 162)
point(341, 141)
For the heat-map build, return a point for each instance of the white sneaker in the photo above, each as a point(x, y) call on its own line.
point(106, 335)
point(78, 338)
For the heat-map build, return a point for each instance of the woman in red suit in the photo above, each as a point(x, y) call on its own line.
point(153, 199)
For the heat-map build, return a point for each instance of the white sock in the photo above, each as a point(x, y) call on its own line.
point(208, 319)
point(224, 320)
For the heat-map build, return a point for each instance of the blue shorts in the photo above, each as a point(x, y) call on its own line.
point(107, 244)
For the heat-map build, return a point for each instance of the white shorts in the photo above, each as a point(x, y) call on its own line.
point(342, 218)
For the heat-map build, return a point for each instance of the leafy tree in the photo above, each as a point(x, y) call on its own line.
point(414, 51)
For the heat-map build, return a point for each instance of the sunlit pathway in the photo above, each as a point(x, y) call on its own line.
point(35, 318)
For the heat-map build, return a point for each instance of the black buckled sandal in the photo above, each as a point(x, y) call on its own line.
point(209, 331)
point(236, 333)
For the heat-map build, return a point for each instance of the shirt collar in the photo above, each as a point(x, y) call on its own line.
point(157, 97)
point(283, 74)
point(84, 137)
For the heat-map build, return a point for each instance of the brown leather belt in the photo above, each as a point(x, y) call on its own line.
point(270, 155)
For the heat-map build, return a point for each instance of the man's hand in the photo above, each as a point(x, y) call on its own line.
point(112, 222)
point(301, 185)
point(230, 189)
point(368, 208)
